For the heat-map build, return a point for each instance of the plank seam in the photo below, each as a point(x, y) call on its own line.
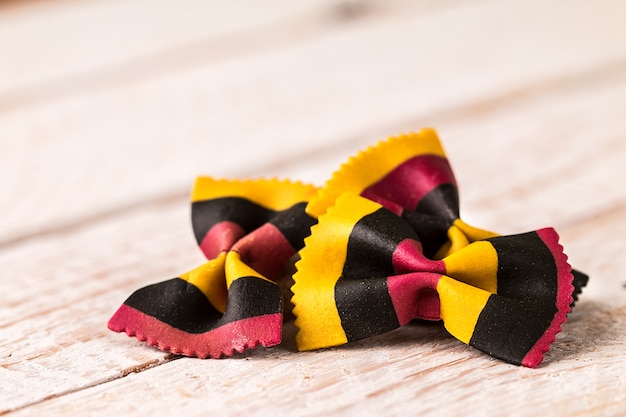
point(123, 374)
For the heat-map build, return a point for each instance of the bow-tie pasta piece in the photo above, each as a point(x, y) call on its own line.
point(248, 230)
point(363, 273)
point(411, 176)
point(407, 174)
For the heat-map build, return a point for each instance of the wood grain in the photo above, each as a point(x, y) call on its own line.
point(101, 136)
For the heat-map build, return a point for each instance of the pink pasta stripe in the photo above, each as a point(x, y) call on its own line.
point(219, 342)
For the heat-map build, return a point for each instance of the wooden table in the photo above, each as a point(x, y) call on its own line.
point(109, 110)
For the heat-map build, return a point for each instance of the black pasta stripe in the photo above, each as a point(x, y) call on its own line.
point(371, 245)
point(507, 328)
point(442, 201)
point(252, 297)
point(183, 306)
point(365, 307)
point(361, 295)
point(247, 214)
point(514, 319)
point(432, 230)
point(295, 224)
point(526, 268)
point(580, 280)
point(177, 303)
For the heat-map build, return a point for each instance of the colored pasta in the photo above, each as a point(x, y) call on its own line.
point(380, 244)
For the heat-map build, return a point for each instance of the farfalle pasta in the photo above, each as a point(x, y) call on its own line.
point(411, 176)
point(363, 273)
point(381, 244)
point(248, 230)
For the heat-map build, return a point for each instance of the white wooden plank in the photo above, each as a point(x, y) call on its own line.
point(563, 145)
point(59, 292)
point(135, 142)
point(49, 41)
point(48, 47)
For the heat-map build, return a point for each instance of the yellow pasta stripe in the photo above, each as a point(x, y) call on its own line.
point(461, 305)
point(473, 233)
point(476, 265)
point(209, 278)
point(460, 235)
point(271, 193)
point(371, 165)
point(236, 268)
point(322, 262)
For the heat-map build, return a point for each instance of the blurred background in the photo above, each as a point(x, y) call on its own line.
point(106, 105)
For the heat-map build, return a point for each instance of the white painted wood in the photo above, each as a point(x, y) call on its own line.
point(48, 42)
point(527, 97)
point(58, 293)
point(49, 48)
